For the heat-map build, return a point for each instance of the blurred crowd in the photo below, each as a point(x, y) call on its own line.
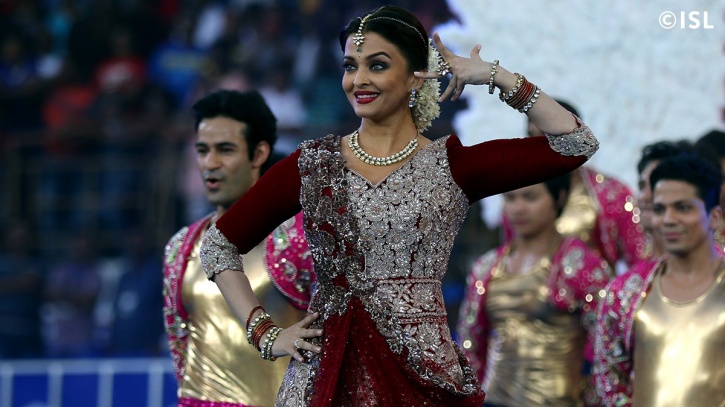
point(97, 165)
point(97, 162)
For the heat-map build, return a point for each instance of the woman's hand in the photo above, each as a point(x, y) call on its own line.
point(465, 71)
point(291, 340)
point(546, 114)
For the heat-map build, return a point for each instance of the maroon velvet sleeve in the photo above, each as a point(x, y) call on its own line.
point(497, 166)
point(272, 200)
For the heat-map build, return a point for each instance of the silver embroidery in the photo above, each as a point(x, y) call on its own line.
point(581, 141)
point(218, 254)
point(392, 242)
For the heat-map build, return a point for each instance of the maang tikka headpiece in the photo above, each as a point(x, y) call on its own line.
point(359, 38)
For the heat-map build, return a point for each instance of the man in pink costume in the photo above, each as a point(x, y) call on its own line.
point(213, 364)
point(660, 332)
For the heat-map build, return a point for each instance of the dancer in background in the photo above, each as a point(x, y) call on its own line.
point(599, 211)
point(660, 331)
point(652, 154)
point(530, 306)
point(214, 367)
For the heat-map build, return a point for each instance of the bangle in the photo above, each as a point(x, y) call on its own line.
point(531, 101)
point(259, 332)
point(490, 81)
point(521, 95)
point(254, 324)
point(266, 349)
point(505, 96)
point(263, 346)
point(520, 99)
point(249, 318)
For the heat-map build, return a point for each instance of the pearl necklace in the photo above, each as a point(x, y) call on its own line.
point(380, 161)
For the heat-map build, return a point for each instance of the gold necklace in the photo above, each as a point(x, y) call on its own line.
point(380, 161)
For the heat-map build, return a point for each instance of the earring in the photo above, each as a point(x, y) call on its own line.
point(719, 236)
point(411, 101)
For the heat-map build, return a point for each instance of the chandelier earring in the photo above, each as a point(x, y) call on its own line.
point(411, 101)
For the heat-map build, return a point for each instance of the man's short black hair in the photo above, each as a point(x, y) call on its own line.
point(713, 143)
point(662, 149)
point(701, 173)
point(246, 107)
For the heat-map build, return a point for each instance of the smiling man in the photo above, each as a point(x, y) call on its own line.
point(661, 335)
point(652, 154)
point(214, 367)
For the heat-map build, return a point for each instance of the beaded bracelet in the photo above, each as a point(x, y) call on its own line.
point(263, 345)
point(521, 95)
point(249, 318)
point(505, 96)
point(531, 101)
point(266, 350)
point(259, 332)
point(491, 88)
point(251, 327)
point(526, 95)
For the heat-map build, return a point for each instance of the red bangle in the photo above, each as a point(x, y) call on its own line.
point(251, 313)
point(259, 332)
point(520, 94)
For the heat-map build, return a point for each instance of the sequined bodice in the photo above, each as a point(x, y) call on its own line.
point(391, 242)
point(408, 221)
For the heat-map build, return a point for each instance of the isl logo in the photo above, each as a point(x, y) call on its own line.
point(691, 20)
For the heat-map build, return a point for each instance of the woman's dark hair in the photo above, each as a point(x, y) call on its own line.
point(398, 26)
point(701, 173)
point(246, 107)
point(559, 189)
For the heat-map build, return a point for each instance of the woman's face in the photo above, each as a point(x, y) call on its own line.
point(377, 80)
point(531, 210)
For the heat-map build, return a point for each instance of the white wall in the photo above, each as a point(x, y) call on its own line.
point(633, 81)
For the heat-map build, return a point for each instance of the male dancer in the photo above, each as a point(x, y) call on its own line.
point(660, 333)
point(652, 154)
point(599, 212)
point(214, 365)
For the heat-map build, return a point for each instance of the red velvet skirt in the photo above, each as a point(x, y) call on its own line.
point(358, 368)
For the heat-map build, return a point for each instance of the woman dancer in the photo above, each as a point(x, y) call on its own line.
point(382, 206)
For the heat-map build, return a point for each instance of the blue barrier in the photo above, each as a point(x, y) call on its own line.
point(137, 382)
